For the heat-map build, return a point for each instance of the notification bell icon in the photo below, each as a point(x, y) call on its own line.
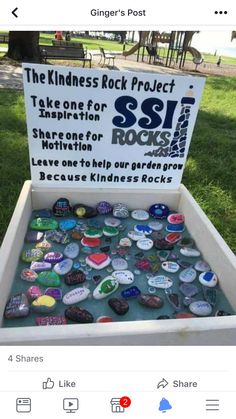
point(164, 405)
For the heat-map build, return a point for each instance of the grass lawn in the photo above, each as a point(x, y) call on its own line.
point(210, 170)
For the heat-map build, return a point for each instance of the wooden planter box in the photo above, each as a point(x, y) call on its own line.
point(195, 331)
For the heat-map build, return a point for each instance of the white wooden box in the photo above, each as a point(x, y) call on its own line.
point(196, 331)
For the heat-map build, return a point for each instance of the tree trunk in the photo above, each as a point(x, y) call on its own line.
point(24, 46)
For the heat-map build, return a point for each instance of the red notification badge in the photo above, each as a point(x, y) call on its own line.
point(125, 402)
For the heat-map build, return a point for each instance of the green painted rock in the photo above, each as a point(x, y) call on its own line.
point(44, 224)
point(93, 232)
point(32, 255)
point(106, 287)
point(49, 279)
point(110, 231)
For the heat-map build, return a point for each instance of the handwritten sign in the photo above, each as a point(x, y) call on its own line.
point(108, 129)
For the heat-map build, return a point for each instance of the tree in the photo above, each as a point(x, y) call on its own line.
point(24, 46)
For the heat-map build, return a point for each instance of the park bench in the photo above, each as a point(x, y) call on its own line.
point(65, 53)
point(106, 56)
point(58, 43)
point(4, 39)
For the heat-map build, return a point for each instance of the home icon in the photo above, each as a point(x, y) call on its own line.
point(115, 405)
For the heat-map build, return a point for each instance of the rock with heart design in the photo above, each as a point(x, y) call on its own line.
point(124, 277)
point(98, 260)
point(75, 277)
point(78, 315)
point(76, 295)
point(151, 301)
point(44, 304)
point(119, 305)
point(106, 287)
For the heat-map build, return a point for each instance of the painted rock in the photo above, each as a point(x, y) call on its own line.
point(98, 260)
point(104, 319)
point(155, 225)
point(50, 321)
point(160, 281)
point(53, 257)
point(112, 222)
point(210, 295)
point(78, 315)
point(173, 237)
point(62, 268)
point(40, 266)
point(120, 210)
point(33, 292)
point(174, 299)
point(84, 211)
point(57, 236)
point(162, 244)
point(71, 251)
point(209, 279)
point(159, 211)
point(184, 315)
point(28, 275)
point(67, 225)
point(93, 233)
point(184, 264)
point(104, 207)
point(143, 264)
point(140, 215)
point(55, 293)
point(200, 308)
point(176, 218)
point(135, 236)
point(169, 266)
point(131, 292)
point(189, 290)
point(189, 252)
point(76, 235)
point(44, 304)
point(124, 277)
point(61, 208)
point(43, 213)
point(145, 244)
point(33, 236)
point(189, 300)
point(177, 228)
point(202, 266)
point(44, 245)
point(163, 255)
point(110, 231)
point(49, 279)
point(144, 229)
point(90, 242)
point(188, 275)
point(17, 306)
point(155, 267)
point(151, 301)
point(43, 224)
point(75, 277)
point(119, 264)
point(119, 305)
point(106, 287)
point(125, 242)
point(32, 255)
point(76, 295)
point(186, 242)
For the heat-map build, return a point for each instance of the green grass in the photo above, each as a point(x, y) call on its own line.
point(209, 173)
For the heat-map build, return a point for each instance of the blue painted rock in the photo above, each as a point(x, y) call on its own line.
point(112, 222)
point(75, 277)
point(55, 293)
point(188, 275)
point(144, 229)
point(33, 236)
point(159, 211)
point(28, 275)
point(131, 292)
point(50, 321)
point(151, 301)
point(189, 252)
point(124, 277)
point(201, 308)
point(84, 211)
point(43, 224)
point(170, 266)
point(139, 215)
point(53, 257)
point(189, 290)
point(62, 268)
point(61, 208)
point(120, 210)
point(44, 304)
point(67, 225)
point(32, 255)
point(119, 305)
point(106, 287)
point(17, 306)
point(78, 315)
point(160, 281)
point(119, 264)
point(40, 266)
point(202, 266)
point(104, 207)
point(71, 251)
point(76, 295)
point(43, 213)
point(34, 292)
point(208, 279)
point(178, 228)
point(49, 279)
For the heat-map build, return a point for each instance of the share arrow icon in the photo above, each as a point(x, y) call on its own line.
point(162, 384)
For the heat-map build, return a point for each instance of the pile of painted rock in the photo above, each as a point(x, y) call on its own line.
point(95, 239)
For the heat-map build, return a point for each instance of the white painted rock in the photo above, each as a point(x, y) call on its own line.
point(112, 222)
point(189, 252)
point(200, 308)
point(188, 275)
point(209, 279)
point(76, 295)
point(170, 266)
point(133, 235)
point(125, 242)
point(119, 264)
point(145, 244)
point(160, 281)
point(106, 287)
point(155, 225)
point(71, 250)
point(140, 215)
point(63, 267)
point(202, 266)
point(124, 277)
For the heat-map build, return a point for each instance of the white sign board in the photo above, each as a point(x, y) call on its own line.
point(108, 129)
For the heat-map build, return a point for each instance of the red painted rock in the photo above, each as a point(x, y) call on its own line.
point(173, 237)
point(90, 242)
point(175, 218)
point(151, 301)
point(184, 315)
point(104, 319)
point(98, 260)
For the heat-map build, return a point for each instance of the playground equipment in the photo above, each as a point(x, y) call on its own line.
point(172, 51)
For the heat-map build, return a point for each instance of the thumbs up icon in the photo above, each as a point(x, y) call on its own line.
point(48, 385)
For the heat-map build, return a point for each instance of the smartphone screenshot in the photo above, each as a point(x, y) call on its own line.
point(117, 209)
